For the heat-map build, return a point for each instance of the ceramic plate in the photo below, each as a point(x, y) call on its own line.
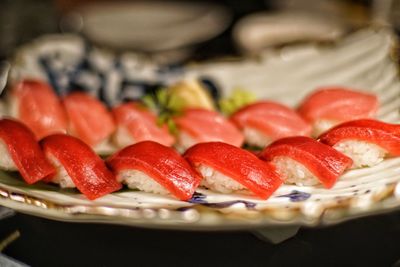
point(361, 60)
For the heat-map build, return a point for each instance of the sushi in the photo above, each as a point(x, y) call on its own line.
point(330, 106)
point(38, 107)
point(227, 169)
point(89, 120)
point(78, 166)
point(155, 168)
point(135, 123)
point(367, 141)
point(263, 122)
point(20, 151)
point(304, 161)
point(201, 125)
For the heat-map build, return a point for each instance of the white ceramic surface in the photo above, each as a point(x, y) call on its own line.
point(362, 60)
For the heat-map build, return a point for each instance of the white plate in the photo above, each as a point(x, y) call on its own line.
point(362, 60)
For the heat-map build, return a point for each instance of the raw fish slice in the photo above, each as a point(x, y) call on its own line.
point(229, 168)
point(264, 122)
point(136, 123)
point(366, 141)
point(152, 161)
point(201, 125)
point(89, 119)
point(79, 165)
point(20, 151)
point(329, 106)
point(38, 107)
point(323, 162)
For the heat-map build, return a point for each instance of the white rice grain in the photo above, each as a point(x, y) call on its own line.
point(6, 162)
point(184, 141)
point(255, 137)
point(321, 126)
point(122, 137)
point(294, 172)
point(217, 181)
point(139, 180)
point(363, 154)
point(62, 177)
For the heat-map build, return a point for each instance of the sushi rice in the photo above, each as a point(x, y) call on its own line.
point(217, 181)
point(184, 141)
point(122, 137)
point(294, 172)
point(136, 179)
point(255, 137)
point(322, 125)
point(363, 154)
point(6, 162)
point(61, 177)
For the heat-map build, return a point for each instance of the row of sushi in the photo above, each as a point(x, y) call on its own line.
point(152, 167)
point(257, 124)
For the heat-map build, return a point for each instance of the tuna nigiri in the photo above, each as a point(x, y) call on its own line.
point(152, 167)
point(263, 122)
point(38, 107)
point(367, 141)
point(328, 107)
point(304, 161)
point(78, 166)
point(20, 151)
point(226, 168)
point(89, 120)
point(201, 125)
point(135, 123)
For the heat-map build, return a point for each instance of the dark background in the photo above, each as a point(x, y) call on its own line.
point(372, 241)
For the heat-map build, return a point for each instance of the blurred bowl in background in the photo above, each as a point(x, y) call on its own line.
point(259, 31)
point(152, 25)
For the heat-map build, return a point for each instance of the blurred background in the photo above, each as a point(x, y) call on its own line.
point(177, 31)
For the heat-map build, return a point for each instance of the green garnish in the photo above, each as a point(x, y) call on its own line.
point(236, 100)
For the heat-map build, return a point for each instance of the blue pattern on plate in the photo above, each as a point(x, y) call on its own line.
point(297, 196)
point(199, 198)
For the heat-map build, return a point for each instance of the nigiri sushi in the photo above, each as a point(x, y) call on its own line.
point(89, 120)
point(330, 106)
point(263, 122)
point(201, 125)
point(38, 107)
point(78, 166)
point(226, 168)
point(304, 161)
point(20, 151)
point(367, 141)
point(135, 123)
point(155, 168)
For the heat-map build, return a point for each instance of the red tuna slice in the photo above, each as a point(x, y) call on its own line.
point(321, 160)
point(25, 151)
point(161, 163)
point(86, 169)
point(89, 119)
point(380, 133)
point(141, 124)
point(206, 126)
point(38, 107)
point(272, 119)
point(338, 104)
point(242, 166)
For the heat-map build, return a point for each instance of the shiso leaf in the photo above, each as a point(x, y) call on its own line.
point(239, 98)
point(150, 102)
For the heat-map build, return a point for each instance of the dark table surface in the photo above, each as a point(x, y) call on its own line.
point(371, 241)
